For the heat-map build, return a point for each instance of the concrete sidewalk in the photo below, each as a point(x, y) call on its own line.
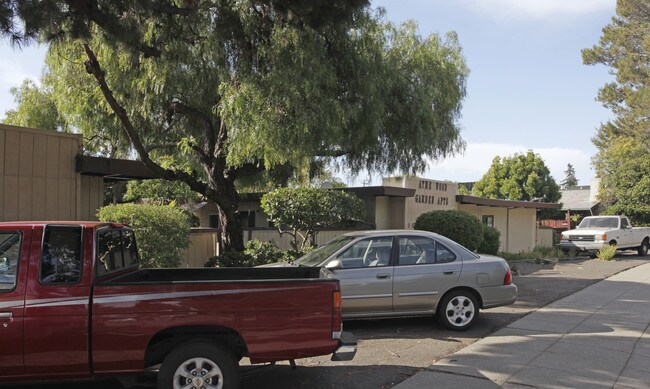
point(598, 337)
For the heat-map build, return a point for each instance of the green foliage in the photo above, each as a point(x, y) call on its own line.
point(162, 231)
point(539, 253)
point(491, 241)
point(230, 259)
point(261, 253)
point(160, 192)
point(256, 253)
point(36, 108)
point(462, 190)
point(625, 182)
point(623, 157)
point(520, 177)
point(607, 253)
point(569, 177)
point(219, 89)
point(456, 225)
point(302, 212)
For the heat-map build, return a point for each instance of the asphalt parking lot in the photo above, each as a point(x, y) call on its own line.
point(392, 350)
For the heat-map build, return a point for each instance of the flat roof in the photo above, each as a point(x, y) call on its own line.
point(482, 201)
point(113, 169)
point(393, 191)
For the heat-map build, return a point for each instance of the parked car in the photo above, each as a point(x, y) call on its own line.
point(595, 232)
point(413, 273)
point(74, 305)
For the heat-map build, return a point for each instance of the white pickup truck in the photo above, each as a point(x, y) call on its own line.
point(594, 232)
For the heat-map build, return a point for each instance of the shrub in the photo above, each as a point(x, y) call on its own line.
point(459, 226)
point(230, 259)
point(261, 253)
point(256, 253)
point(491, 241)
point(607, 253)
point(302, 212)
point(162, 231)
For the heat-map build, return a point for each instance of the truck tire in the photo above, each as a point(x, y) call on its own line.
point(199, 364)
point(458, 310)
point(643, 249)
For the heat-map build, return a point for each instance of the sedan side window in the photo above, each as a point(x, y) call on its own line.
point(443, 254)
point(417, 250)
point(374, 252)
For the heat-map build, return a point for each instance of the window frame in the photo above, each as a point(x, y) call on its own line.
point(20, 250)
point(488, 220)
point(81, 253)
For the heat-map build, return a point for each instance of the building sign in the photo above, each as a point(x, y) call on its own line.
point(430, 195)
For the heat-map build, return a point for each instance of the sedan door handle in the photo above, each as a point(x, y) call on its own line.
point(383, 276)
point(448, 272)
point(6, 315)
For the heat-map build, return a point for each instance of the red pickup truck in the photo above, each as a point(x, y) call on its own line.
point(74, 305)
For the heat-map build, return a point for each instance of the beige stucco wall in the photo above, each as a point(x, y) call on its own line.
point(517, 225)
point(91, 196)
point(37, 175)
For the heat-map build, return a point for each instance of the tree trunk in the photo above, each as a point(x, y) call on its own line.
point(227, 201)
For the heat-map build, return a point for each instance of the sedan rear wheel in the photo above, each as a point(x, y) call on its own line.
point(458, 310)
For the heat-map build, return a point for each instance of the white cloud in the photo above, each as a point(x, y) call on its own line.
point(538, 9)
point(478, 157)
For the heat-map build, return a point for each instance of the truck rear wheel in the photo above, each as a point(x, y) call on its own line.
point(643, 249)
point(199, 365)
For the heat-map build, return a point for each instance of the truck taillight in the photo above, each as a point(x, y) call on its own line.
point(337, 319)
point(507, 280)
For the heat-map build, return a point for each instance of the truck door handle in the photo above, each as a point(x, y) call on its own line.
point(383, 276)
point(448, 272)
point(6, 315)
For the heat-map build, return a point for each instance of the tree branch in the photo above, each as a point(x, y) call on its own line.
point(177, 107)
point(93, 68)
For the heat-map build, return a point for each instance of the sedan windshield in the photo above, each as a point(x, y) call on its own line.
point(316, 257)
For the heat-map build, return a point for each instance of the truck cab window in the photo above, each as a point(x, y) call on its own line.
point(9, 258)
point(61, 257)
point(116, 249)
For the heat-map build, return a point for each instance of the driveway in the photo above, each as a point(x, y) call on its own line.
point(392, 350)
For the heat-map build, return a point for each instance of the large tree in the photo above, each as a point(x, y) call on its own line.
point(35, 108)
point(520, 177)
point(209, 91)
point(623, 158)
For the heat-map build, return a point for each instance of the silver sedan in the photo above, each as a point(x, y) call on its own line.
point(413, 273)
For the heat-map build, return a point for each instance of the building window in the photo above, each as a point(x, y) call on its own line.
point(488, 220)
point(247, 219)
point(213, 220)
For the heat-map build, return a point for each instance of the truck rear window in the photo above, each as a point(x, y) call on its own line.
point(61, 257)
point(116, 250)
point(9, 258)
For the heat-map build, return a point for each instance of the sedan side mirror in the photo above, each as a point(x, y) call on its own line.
point(334, 264)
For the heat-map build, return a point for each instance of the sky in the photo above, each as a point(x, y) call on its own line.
point(527, 87)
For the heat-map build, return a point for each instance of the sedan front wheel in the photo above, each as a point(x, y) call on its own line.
point(458, 310)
